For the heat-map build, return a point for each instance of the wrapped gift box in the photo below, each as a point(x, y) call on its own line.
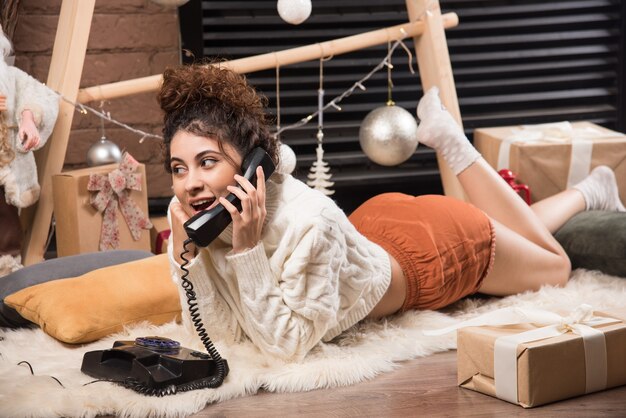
point(159, 234)
point(545, 370)
point(551, 157)
point(79, 224)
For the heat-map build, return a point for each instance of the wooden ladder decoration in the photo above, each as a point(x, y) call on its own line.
point(426, 25)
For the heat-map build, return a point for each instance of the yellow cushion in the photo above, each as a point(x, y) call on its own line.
point(88, 307)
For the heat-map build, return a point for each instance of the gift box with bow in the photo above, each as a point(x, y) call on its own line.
point(102, 208)
point(532, 357)
point(554, 156)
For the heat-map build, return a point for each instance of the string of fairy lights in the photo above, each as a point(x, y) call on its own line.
point(84, 109)
point(334, 103)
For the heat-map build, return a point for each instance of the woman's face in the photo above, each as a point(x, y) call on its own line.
point(200, 171)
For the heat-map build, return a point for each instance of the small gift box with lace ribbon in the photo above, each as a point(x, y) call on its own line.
point(102, 208)
point(532, 357)
point(551, 157)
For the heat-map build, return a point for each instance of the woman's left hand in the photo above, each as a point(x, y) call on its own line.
point(248, 223)
point(28, 132)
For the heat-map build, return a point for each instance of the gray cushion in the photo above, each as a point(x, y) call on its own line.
point(54, 269)
point(596, 240)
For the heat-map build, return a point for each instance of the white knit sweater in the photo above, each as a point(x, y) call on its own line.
point(312, 276)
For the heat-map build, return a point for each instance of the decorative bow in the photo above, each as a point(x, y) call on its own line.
point(112, 188)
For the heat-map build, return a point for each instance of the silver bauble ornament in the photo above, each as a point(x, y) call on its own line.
point(103, 152)
point(388, 135)
point(294, 11)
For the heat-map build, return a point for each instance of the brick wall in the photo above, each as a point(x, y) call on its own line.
point(128, 39)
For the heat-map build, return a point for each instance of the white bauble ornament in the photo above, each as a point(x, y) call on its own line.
point(294, 11)
point(103, 152)
point(388, 135)
point(287, 160)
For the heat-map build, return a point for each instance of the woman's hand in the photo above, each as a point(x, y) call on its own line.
point(3, 103)
point(28, 132)
point(248, 224)
point(178, 217)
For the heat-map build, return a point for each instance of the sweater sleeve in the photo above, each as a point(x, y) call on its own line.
point(288, 312)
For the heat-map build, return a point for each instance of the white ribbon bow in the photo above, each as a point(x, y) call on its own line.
point(580, 322)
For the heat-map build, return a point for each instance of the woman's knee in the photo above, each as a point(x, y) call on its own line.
point(563, 270)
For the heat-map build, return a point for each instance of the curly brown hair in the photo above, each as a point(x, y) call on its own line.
point(210, 100)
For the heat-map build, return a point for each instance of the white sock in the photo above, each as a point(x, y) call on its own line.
point(600, 190)
point(440, 131)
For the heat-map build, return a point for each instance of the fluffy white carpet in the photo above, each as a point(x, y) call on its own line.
point(359, 354)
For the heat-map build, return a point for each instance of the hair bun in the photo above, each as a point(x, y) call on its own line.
point(194, 85)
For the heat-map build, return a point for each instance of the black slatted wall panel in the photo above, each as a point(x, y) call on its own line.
point(514, 62)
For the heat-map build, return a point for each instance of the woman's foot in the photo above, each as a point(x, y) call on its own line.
point(440, 131)
point(600, 190)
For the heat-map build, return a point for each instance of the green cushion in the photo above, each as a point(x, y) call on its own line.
point(596, 240)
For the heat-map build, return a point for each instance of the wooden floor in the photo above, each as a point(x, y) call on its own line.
point(422, 387)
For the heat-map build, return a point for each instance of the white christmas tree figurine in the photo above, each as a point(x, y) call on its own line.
point(319, 176)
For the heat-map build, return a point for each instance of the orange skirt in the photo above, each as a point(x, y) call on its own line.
point(445, 247)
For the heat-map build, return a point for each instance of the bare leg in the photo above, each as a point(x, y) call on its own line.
point(521, 265)
point(490, 193)
point(527, 255)
point(557, 209)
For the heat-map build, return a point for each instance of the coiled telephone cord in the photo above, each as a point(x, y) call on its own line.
point(218, 379)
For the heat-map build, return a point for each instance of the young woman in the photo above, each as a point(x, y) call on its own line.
point(292, 269)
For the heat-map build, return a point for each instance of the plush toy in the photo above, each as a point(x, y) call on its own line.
point(28, 112)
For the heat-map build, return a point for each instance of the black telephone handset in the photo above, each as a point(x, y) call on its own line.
point(205, 226)
point(159, 366)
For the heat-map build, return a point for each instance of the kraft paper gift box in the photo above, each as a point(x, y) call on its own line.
point(546, 370)
point(552, 157)
point(79, 223)
point(159, 234)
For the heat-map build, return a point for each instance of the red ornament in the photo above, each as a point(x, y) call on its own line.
point(520, 188)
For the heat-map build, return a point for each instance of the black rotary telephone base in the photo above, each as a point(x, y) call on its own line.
point(154, 366)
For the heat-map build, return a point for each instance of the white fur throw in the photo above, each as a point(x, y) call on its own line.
point(360, 353)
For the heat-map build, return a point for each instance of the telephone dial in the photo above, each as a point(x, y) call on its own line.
point(159, 366)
